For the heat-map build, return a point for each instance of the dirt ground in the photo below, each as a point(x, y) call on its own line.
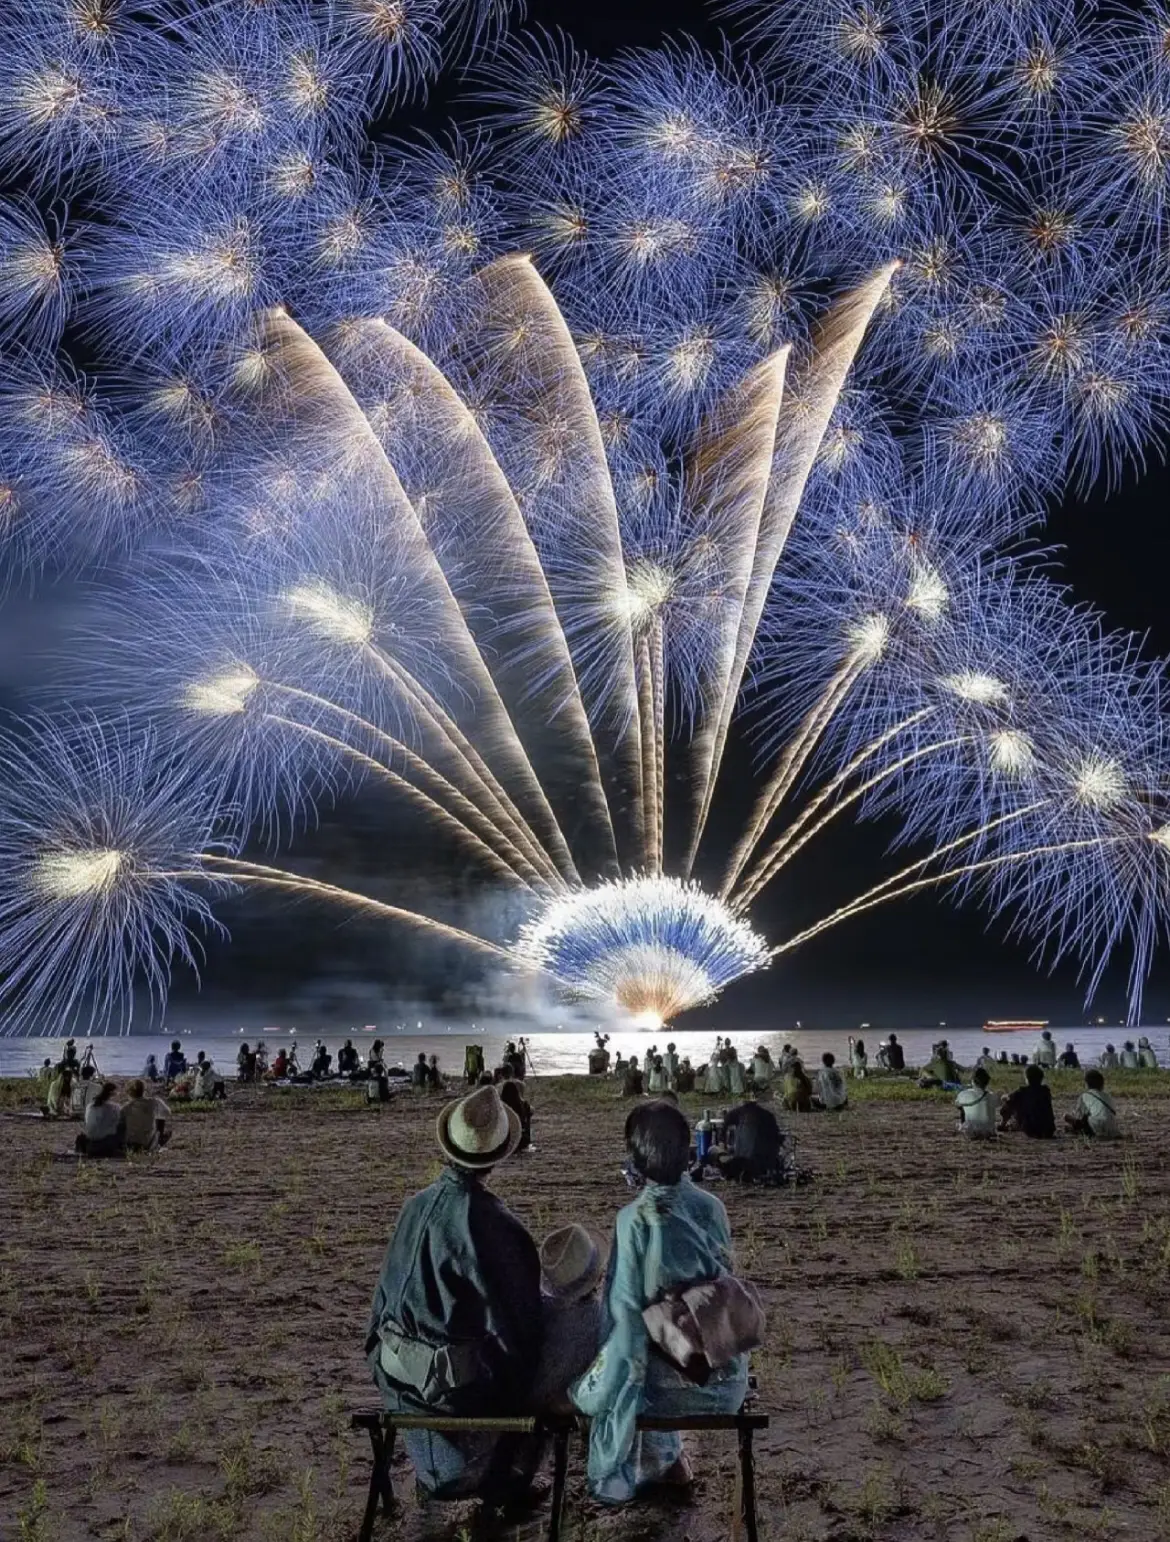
point(965, 1343)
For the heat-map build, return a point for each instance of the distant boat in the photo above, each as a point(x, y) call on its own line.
point(1013, 1025)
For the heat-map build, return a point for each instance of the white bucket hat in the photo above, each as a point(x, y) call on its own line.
point(570, 1262)
point(478, 1130)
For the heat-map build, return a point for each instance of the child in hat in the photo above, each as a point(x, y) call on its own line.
point(570, 1270)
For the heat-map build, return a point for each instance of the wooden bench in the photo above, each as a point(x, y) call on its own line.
point(383, 1427)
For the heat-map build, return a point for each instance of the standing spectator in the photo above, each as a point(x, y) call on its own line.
point(762, 1068)
point(1045, 1052)
point(175, 1063)
point(420, 1076)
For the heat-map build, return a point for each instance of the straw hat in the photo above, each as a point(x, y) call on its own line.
point(570, 1262)
point(478, 1130)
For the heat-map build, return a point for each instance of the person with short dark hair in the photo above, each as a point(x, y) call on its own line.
point(672, 1235)
point(1029, 1109)
point(797, 1088)
point(420, 1077)
point(632, 1081)
point(1044, 1053)
point(831, 1092)
point(144, 1120)
point(347, 1059)
point(895, 1055)
point(322, 1061)
point(175, 1063)
point(104, 1134)
point(1147, 1054)
point(512, 1096)
point(1130, 1059)
point(1095, 1113)
point(986, 1059)
point(685, 1079)
point(978, 1107)
point(456, 1325)
point(1108, 1059)
point(1067, 1060)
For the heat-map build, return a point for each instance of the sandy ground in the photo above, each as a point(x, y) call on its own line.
point(964, 1343)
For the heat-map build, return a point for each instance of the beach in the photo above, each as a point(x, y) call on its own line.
point(965, 1342)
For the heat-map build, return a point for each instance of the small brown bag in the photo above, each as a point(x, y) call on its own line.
point(702, 1327)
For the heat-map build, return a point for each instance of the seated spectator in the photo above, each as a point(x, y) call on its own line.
point(205, 1084)
point(456, 1325)
point(1095, 1113)
point(599, 1055)
point(895, 1056)
point(144, 1120)
point(754, 1143)
point(1130, 1060)
point(685, 1080)
point(322, 1062)
point(762, 1068)
point(175, 1063)
point(1147, 1055)
point(103, 1135)
point(1067, 1060)
point(434, 1075)
point(1044, 1053)
point(1108, 1059)
point(377, 1057)
point(733, 1073)
point(978, 1107)
point(986, 1059)
point(715, 1081)
point(512, 1096)
point(941, 1068)
point(378, 1084)
point(150, 1071)
point(570, 1271)
point(279, 1068)
point(420, 1076)
point(858, 1059)
point(632, 1084)
point(348, 1059)
point(1029, 1108)
point(671, 1235)
point(656, 1080)
point(831, 1092)
point(797, 1089)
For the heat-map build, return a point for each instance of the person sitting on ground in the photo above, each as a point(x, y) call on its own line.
point(671, 1235)
point(512, 1095)
point(716, 1078)
point(986, 1059)
point(261, 1060)
point(144, 1120)
point(473, 1064)
point(1147, 1055)
point(941, 1068)
point(175, 1063)
point(206, 1085)
point(1045, 1052)
point(831, 1092)
point(279, 1068)
point(685, 1080)
point(348, 1059)
point(755, 1141)
point(59, 1098)
point(1029, 1108)
point(1095, 1113)
point(1130, 1060)
point(1067, 1060)
point(656, 1078)
point(243, 1063)
point(571, 1267)
point(797, 1089)
point(733, 1071)
point(599, 1055)
point(486, 1079)
point(978, 1107)
point(858, 1059)
point(377, 1055)
point(378, 1083)
point(632, 1082)
point(788, 1053)
point(456, 1325)
point(895, 1055)
point(103, 1135)
point(1107, 1060)
point(322, 1062)
point(434, 1075)
point(762, 1068)
point(1002, 1058)
point(619, 1066)
point(150, 1072)
point(670, 1066)
point(420, 1077)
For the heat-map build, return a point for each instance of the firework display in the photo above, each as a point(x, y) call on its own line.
point(667, 403)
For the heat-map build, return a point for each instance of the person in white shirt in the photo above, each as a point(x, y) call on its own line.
point(858, 1059)
point(144, 1120)
point(1095, 1113)
point(735, 1082)
point(1045, 1052)
point(1147, 1054)
point(670, 1066)
point(103, 1134)
point(978, 1107)
point(1129, 1057)
point(986, 1060)
point(830, 1088)
point(656, 1077)
point(1108, 1060)
point(762, 1068)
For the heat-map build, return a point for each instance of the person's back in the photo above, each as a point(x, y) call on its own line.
point(656, 1079)
point(512, 1097)
point(1147, 1055)
point(1045, 1052)
point(142, 1117)
point(797, 1089)
point(1108, 1058)
point(831, 1090)
point(1095, 1113)
point(733, 1070)
point(685, 1080)
point(895, 1055)
point(632, 1083)
point(1030, 1107)
point(1129, 1057)
point(754, 1142)
point(762, 1068)
point(670, 1065)
point(420, 1077)
point(978, 1107)
point(1068, 1060)
point(174, 1064)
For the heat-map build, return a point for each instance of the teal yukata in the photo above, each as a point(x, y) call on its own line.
point(671, 1235)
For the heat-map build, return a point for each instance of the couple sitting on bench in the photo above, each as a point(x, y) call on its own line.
point(466, 1322)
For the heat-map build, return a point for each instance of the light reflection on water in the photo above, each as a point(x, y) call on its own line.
point(552, 1054)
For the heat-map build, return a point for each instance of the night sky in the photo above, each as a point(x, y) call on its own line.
point(916, 962)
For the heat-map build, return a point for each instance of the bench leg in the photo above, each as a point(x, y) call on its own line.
point(746, 1508)
point(381, 1488)
point(560, 1477)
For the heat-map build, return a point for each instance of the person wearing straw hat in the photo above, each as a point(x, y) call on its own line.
point(456, 1324)
point(570, 1272)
